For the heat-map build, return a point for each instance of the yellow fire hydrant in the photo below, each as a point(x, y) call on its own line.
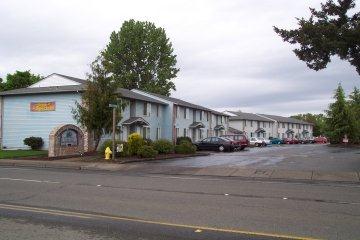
point(108, 153)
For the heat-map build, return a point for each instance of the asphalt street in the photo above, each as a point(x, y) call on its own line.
point(63, 204)
point(306, 157)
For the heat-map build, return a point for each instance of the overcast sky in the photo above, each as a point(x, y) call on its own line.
point(229, 56)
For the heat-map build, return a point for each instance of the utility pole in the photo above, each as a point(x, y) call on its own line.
point(113, 106)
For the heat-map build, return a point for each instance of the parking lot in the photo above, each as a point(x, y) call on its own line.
point(290, 157)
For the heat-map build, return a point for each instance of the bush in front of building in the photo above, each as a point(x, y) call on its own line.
point(185, 148)
point(148, 142)
point(181, 140)
point(135, 142)
point(35, 143)
point(163, 146)
point(147, 152)
point(108, 143)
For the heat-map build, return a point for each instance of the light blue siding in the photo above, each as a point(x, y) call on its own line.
point(19, 122)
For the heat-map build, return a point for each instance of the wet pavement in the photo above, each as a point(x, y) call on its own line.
point(310, 157)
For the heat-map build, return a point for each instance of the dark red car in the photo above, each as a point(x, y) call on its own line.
point(288, 141)
point(239, 139)
point(320, 140)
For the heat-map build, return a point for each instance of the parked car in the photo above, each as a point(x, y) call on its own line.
point(265, 141)
point(311, 140)
point(216, 144)
point(240, 139)
point(254, 141)
point(288, 141)
point(320, 140)
point(276, 141)
point(296, 141)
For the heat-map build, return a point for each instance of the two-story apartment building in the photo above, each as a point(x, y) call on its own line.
point(265, 125)
point(38, 109)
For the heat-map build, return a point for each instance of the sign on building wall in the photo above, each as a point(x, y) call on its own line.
point(42, 106)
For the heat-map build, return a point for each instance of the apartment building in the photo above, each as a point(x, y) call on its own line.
point(42, 107)
point(265, 125)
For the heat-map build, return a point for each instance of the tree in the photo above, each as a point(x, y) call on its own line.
point(317, 119)
point(93, 112)
point(338, 118)
point(20, 80)
point(330, 31)
point(354, 106)
point(141, 56)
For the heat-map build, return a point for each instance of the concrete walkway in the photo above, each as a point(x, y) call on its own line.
point(145, 168)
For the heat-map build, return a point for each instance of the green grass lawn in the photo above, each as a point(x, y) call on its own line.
point(21, 153)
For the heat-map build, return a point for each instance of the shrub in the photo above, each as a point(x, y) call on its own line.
point(148, 142)
point(34, 142)
point(147, 152)
point(185, 148)
point(108, 143)
point(135, 142)
point(181, 140)
point(163, 146)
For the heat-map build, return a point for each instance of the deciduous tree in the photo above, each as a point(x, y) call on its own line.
point(93, 112)
point(141, 56)
point(20, 79)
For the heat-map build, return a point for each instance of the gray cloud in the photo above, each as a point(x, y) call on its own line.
point(228, 54)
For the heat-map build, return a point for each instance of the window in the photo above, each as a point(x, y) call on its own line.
point(146, 132)
point(177, 132)
point(158, 110)
point(177, 111)
point(185, 132)
point(258, 124)
point(264, 124)
point(251, 134)
point(292, 125)
point(245, 123)
point(283, 125)
point(147, 109)
point(185, 113)
point(208, 133)
point(201, 134)
point(158, 133)
point(222, 119)
point(251, 123)
point(207, 116)
point(201, 115)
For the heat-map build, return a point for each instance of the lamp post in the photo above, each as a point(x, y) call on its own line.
point(113, 106)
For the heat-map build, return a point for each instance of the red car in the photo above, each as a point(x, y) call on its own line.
point(321, 140)
point(239, 139)
point(288, 141)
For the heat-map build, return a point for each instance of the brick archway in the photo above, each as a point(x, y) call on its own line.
point(68, 139)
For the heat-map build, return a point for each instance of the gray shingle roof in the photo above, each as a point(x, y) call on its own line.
point(285, 119)
point(247, 116)
point(76, 88)
point(55, 89)
point(186, 104)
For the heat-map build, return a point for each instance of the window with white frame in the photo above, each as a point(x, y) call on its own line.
point(147, 109)
point(251, 123)
point(177, 111)
point(158, 133)
point(157, 110)
point(244, 123)
point(177, 132)
point(185, 132)
point(201, 115)
point(185, 113)
point(146, 132)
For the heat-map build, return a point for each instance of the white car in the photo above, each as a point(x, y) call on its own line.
point(266, 141)
point(254, 141)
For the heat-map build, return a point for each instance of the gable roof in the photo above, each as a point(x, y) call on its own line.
point(183, 103)
point(76, 88)
point(79, 80)
point(247, 116)
point(54, 89)
point(285, 119)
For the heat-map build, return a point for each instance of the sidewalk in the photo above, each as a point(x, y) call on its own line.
point(146, 168)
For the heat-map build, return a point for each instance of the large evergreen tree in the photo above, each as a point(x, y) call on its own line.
point(141, 56)
point(20, 79)
point(338, 120)
point(93, 112)
point(354, 106)
point(329, 31)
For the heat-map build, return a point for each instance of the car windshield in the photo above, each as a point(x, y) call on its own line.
point(225, 139)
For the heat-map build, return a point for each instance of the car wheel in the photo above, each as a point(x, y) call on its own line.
point(221, 148)
point(256, 144)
